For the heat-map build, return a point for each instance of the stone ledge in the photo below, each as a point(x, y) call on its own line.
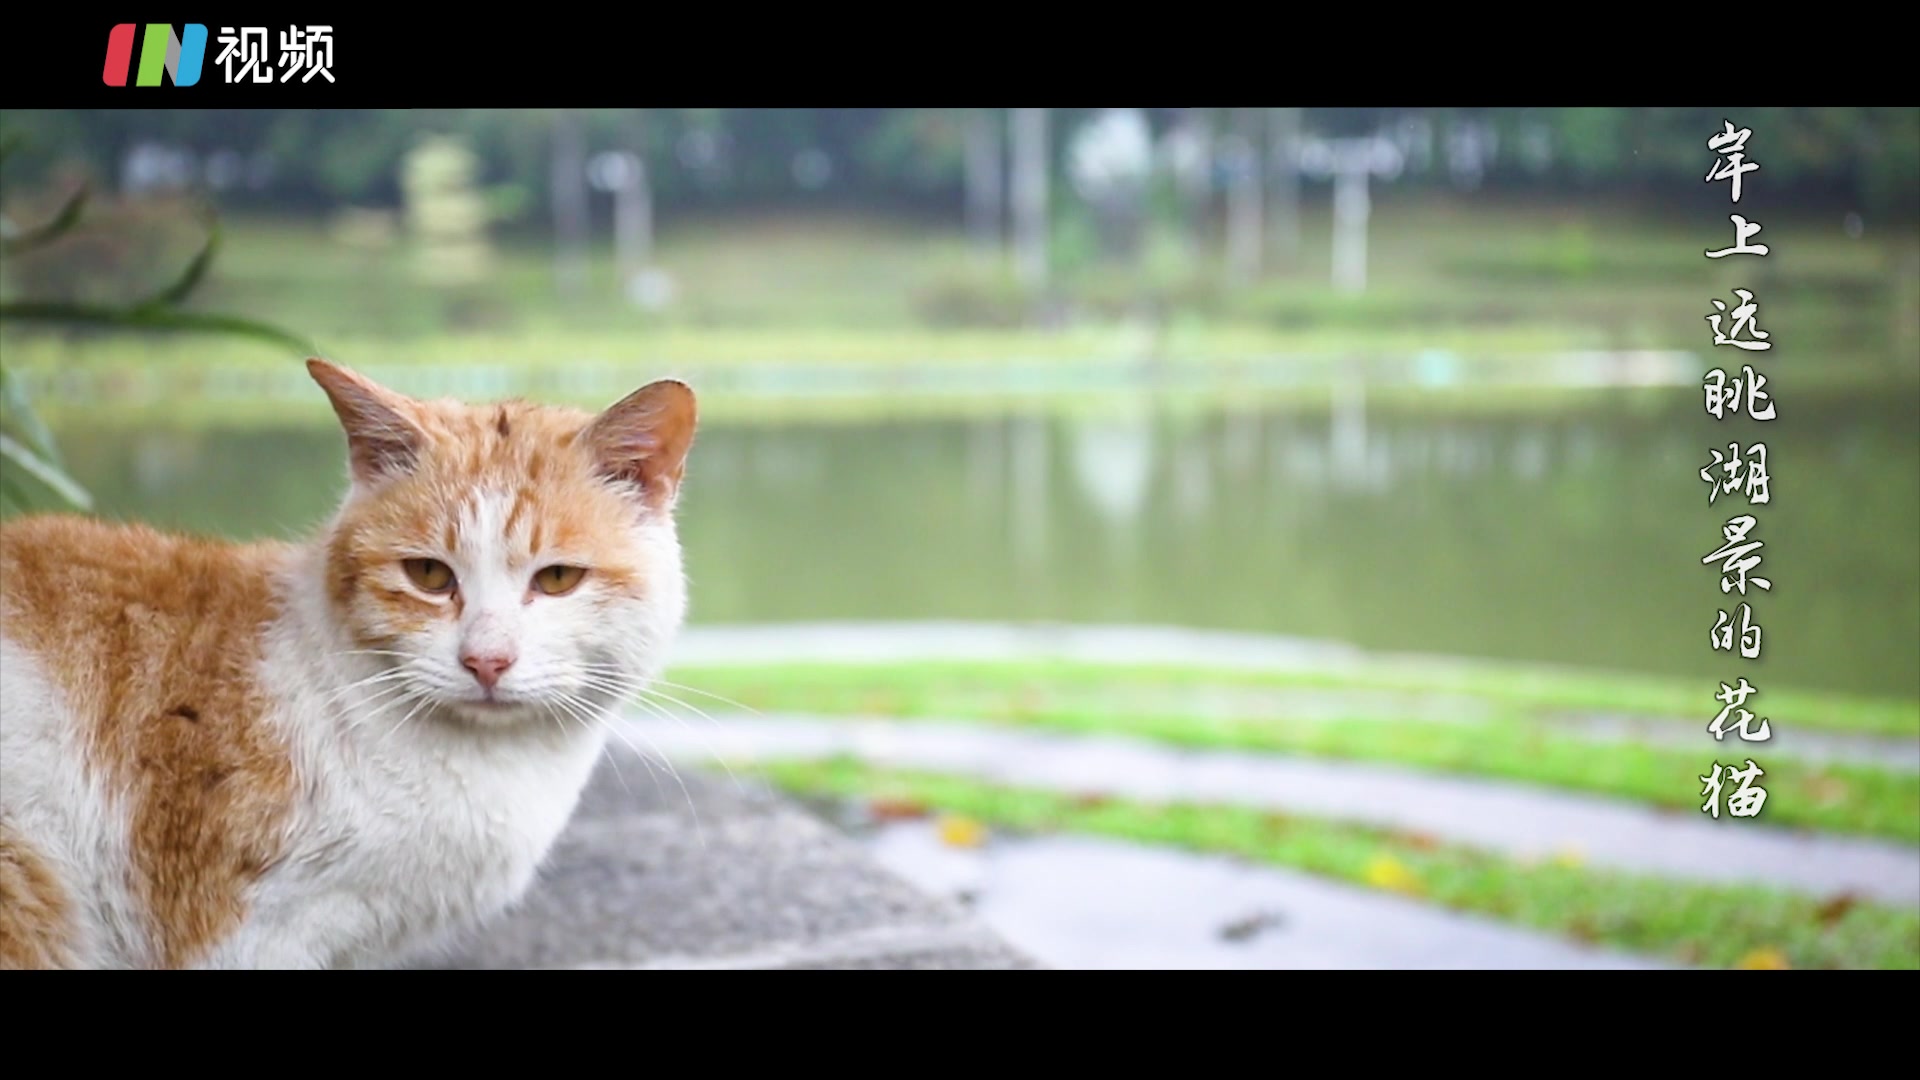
point(720, 875)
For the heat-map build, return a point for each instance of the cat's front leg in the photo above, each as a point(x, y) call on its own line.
point(297, 927)
point(251, 952)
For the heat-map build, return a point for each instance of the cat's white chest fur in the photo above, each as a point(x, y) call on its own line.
point(408, 830)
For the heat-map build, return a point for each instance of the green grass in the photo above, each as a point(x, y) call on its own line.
point(1715, 926)
point(1016, 688)
point(1507, 744)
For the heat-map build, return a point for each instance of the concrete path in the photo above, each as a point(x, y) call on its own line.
point(1519, 820)
point(1788, 742)
point(725, 875)
point(721, 876)
point(1077, 902)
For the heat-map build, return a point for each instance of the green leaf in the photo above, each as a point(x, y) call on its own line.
point(152, 318)
point(12, 496)
point(56, 481)
point(189, 278)
point(68, 216)
point(17, 413)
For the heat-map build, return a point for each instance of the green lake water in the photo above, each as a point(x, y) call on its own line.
point(1572, 537)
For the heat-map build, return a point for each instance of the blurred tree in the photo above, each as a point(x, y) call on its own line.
point(445, 211)
point(1859, 159)
point(1110, 161)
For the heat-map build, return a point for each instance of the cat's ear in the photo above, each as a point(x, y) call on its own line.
point(643, 439)
point(383, 441)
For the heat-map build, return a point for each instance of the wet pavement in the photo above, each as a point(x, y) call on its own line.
point(1515, 819)
point(1078, 902)
point(1074, 902)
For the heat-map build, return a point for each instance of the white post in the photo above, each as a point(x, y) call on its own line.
point(1283, 131)
point(1196, 187)
point(983, 177)
point(1244, 199)
point(1030, 195)
point(632, 220)
point(569, 184)
point(1351, 207)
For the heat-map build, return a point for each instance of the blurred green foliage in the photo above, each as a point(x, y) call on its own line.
point(35, 477)
point(1863, 158)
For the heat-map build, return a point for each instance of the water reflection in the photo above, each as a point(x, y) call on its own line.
point(1192, 474)
point(1113, 462)
point(1032, 460)
point(1572, 538)
point(1347, 448)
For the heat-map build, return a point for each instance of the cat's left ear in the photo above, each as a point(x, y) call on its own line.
point(383, 441)
point(643, 439)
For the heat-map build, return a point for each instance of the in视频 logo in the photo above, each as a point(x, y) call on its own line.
point(179, 54)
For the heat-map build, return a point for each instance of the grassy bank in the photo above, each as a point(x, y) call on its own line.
point(1016, 688)
point(1463, 294)
point(1517, 738)
point(1715, 926)
point(1479, 276)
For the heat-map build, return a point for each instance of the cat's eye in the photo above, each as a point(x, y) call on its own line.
point(429, 575)
point(559, 580)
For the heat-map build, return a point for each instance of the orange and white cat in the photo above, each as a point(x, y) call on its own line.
point(339, 753)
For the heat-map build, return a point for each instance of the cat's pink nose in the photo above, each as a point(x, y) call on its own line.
point(488, 667)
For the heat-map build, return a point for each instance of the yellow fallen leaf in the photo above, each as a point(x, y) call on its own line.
point(958, 831)
point(1827, 790)
point(1764, 960)
point(1386, 872)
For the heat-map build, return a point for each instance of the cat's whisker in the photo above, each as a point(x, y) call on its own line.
point(420, 704)
point(695, 709)
point(614, 761)
point(684, 688)
point(375, 652)
point(384, 676)
point(699, 831)
point(573, 706)
point(552, 709)
point(379, 704)
point(649, 692)
point(634, 691)
point(659, 710)
point(620, 731)
point(703, 693)
point(384, 688)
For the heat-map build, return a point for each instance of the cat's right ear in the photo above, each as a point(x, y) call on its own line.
point(383, 441)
